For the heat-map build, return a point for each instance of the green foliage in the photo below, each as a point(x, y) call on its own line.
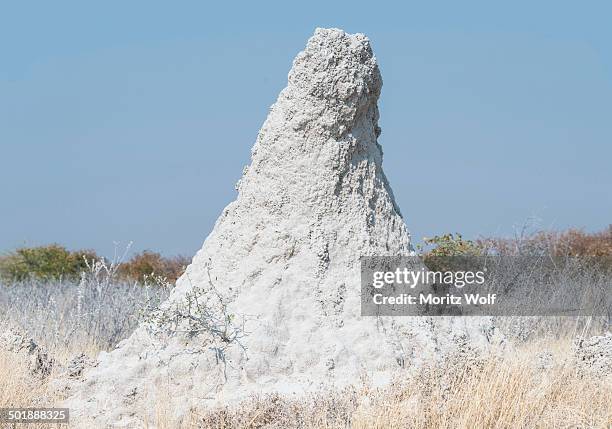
point(447, 248)
point(452, 245)
point(45, 262)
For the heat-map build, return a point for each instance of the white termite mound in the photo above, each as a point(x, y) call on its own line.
point(272, 300)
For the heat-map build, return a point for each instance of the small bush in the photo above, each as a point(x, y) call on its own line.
point(149, 263)
point(451, 245)
point(436, 258)
point(50, 262)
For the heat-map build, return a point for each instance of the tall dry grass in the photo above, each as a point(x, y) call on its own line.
point(502, 392)
point(17, 385)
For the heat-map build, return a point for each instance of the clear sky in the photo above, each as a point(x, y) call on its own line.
point(131, 120)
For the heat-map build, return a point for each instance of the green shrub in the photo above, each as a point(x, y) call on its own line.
point(44, 262)
point(446, 251)
point(452, 245)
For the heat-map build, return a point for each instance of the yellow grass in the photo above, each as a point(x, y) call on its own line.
point(504, 394)
point(508, 392)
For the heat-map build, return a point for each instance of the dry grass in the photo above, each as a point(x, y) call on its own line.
point(499, 392)
point(17, 385)
point(20, 388)
point(509, 392)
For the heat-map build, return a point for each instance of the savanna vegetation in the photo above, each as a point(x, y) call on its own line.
point(75, 304)
point(54, 262)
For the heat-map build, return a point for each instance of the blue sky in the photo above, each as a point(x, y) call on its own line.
point(131, 121)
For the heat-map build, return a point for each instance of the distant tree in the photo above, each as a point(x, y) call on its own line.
point(49, 262)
